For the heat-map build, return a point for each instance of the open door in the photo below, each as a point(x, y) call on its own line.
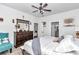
point(36, 29)
point(55, 29)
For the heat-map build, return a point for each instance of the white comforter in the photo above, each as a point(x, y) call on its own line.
point(48, 47)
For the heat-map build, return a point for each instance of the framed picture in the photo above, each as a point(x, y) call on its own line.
point(44, 24)
point(68, 22)
point(1, 19)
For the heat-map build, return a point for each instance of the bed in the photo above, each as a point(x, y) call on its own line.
point(48, 46)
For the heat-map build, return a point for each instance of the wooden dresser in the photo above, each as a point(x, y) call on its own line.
point(21, 37)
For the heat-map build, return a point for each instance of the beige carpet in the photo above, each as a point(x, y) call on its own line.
point(15, 51)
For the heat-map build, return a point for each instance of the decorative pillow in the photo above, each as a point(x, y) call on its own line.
point(0, 41)
point(5, 40)
point(66, 45)
point(60, 39)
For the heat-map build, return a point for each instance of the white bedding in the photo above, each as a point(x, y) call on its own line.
point(48, 47)
point(47, 44)
point(28, 47)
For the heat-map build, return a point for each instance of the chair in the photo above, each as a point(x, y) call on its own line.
point(5, 43)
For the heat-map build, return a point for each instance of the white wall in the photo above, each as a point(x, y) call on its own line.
point(8, 14)
point(60, 17)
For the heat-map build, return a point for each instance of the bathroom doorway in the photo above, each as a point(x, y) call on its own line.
point(36, 29)
point(55, 29)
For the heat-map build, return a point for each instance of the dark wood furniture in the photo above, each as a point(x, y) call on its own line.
point(77, 34)
point(21, 37)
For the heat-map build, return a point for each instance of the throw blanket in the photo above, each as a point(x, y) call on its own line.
point(36, 46)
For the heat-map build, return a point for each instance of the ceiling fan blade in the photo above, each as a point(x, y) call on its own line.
point(40, 6)
point(35, 11)
point(47, 10)
point(35, 7)
point(45, 5)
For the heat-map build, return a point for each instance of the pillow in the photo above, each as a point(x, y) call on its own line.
point(0, 41)
point(55, 39)
point(66, 45)
point(68, 36)
point(61, 38)
point(58, 39)
point(5, 40)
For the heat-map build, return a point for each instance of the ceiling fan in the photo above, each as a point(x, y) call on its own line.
point(41, 8)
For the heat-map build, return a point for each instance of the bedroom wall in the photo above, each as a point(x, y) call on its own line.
point(60, 17)
point(8, 14)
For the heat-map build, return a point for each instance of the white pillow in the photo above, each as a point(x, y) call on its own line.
point(0, 41)
point(68, 36)
point(55, 39)
point(5, 40)
point(65, 45)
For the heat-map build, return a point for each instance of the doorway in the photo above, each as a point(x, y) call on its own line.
point(36, 29)
point(55, 29)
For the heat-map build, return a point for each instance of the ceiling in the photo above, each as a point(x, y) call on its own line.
point(55, 7)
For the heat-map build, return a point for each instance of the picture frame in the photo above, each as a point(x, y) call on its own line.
point(44, 24)
point(1, 19)
point(68, 22)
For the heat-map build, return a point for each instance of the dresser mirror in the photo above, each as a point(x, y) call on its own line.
point(22, 25)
